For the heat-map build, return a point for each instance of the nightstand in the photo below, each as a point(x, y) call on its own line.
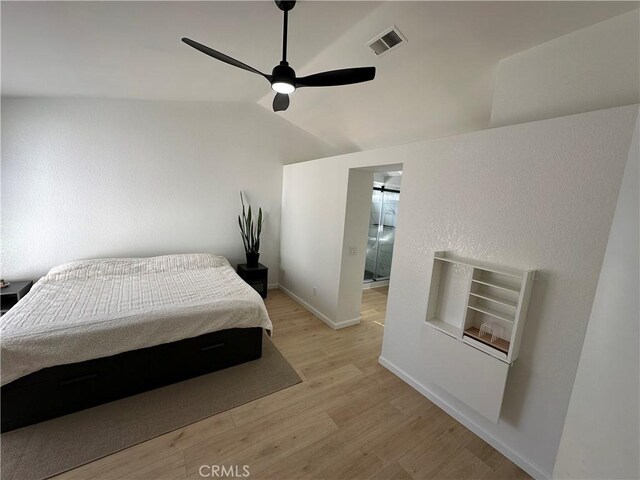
point(255, 277)
point(10, 295)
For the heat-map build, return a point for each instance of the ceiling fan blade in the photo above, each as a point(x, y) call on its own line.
point(332, 78)
point(280, 102)
point(222, 57)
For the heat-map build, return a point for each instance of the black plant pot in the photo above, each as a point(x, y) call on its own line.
point(252, 259)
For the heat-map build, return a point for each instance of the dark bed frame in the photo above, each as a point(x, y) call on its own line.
point(64, 389)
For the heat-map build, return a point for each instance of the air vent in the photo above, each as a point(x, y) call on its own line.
point(387, 40)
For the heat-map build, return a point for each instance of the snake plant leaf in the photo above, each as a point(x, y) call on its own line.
point(242, 234)
point(259, 229)
point(241, 227)
point(250, 227)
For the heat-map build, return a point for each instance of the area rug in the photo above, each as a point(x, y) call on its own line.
point(40, 451)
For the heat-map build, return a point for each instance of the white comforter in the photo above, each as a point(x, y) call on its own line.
point(96, 308)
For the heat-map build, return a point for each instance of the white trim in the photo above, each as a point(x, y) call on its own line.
point(271, 286)
point(319, 314)
point(376, 284)
point(526, 465)
point(346, 323)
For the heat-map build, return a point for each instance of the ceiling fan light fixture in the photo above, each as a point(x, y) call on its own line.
point(283, 78)
point(283, 87)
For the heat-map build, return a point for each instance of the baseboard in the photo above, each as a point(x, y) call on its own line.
point(346, 323)
point(272, 286)
point(318, 313)
point(377, 284)
point(530, 468)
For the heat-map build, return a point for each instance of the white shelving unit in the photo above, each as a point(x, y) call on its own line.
point(482, 305)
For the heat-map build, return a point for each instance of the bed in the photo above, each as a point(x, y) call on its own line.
point(93, 331)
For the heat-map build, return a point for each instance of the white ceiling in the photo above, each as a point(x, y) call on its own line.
point(133, 49)
point(439, 83)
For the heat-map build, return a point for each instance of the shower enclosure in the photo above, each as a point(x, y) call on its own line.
point(382, 232)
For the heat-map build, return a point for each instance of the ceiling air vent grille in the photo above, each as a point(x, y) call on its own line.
point(387, 40)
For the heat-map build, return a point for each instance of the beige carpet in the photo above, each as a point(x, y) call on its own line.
point(48, 448)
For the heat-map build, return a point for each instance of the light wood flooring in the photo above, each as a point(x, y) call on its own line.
point(349, 419)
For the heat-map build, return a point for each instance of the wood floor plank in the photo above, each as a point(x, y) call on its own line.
point(506, 470)
point(354, 465)
point(317, 458)
point(349, 418)
point(258, 452)
point(434, 453)
point(303, 396)
point(392, 472)
point(403, 438)
point(464, 466)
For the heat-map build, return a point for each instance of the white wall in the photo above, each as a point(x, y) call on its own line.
point(538, 195)
point(589, 69)
point(356, 230)
point(86, 178)
point(312, 229)
point(601, 437)
point(317, 231)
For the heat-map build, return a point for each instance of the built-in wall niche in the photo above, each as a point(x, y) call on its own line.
point(448, 296)
point(479, 304)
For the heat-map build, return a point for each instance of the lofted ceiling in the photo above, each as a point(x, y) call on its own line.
point(439, 83)
point(127, 49)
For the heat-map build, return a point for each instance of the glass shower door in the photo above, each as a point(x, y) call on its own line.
point(382, 231)
point(372, 241)
point(387, 235)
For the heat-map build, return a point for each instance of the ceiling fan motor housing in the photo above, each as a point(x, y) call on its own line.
point(284, 5)
point(283, 73)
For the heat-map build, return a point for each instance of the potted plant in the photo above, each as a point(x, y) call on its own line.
point(250, 232)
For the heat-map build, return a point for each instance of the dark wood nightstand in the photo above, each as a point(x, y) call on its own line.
point(255, 277)
point(10, 295)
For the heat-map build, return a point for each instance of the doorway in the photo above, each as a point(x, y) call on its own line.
point(385, 198)
point(366, 237)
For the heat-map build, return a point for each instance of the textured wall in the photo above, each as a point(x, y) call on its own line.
point(601, 436)
point(538, 196)
point(99, 178)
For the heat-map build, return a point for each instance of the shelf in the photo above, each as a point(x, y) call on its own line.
point(501, 301)
point(510, 272)
point(494, 313)
point(475, 293)
point(500, 344)
point(497, 285)
point(444, 327)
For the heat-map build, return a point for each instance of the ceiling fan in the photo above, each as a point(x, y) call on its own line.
point(283, 78)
